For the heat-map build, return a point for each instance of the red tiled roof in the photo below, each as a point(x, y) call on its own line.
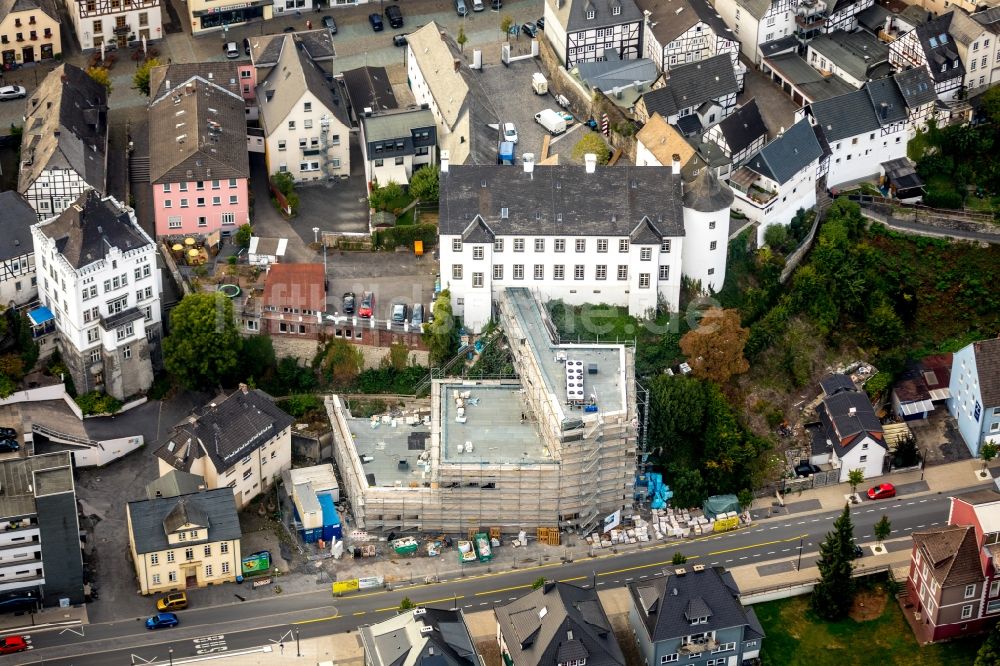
point(297, 286)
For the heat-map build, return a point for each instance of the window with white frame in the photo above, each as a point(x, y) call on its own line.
point(966, 612)
point(92, 335)
point(558, 272)
point(578, 272)
point(970, 591)
point(539, 245)
point(498, 245)
point(477, 251)
point(670, 658)
point(225, 565)
point(156, 579)
point(518, 245)
point(224, 547)
point(601, 272)
point(622, 271)
point(518, 271)
point(643, 280)
point(623, 245)
point(559, 244)
point(127, 352)
point(581, 244)
point(664, 273)
point(456, 245)
point(208, 571)
point(646, 254)
point(229, 218)
point(602, 244)
point(477, 280)
point(497, 271)
point(665, 246)
point(456, 272)
point(539, 272)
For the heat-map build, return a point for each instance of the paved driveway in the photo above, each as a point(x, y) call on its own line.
point(776, 107)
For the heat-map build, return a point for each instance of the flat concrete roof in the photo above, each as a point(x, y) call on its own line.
point(606, 386)
point(24, 479)
point(494, 426)
point(388, 446)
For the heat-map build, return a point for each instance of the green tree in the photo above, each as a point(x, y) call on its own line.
point(397, 358)
point(284, 182)
point(988, 451)
point(884, 327)
point(203, 347)
point(383, 196)
point(678, 558)
point(677, 413)
point(140, 80)
point(441, 335)
point(243, 235)
point(776, 236)
point(257, 358)
point(462, 38)
point(989, 653)
point(907, 453)
point(405, 604)
point(101, 75)
point(745, 498)
point(424, 184)
point(882, 529)
point(833, 595)
point(855, 477)
point(538, 582)
point(341, 362)
point(591, 142)
point(714, 347)
point(505, 25)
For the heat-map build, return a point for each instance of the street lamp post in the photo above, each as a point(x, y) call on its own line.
point(170, 653)
point(798, 567)
point(298, 645)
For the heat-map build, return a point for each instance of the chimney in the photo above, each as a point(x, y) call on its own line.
point(445, 157)
point(528, 159)
point(548, 586)
point(676, 164)
point(458, 63)
point(852, 411)
point(590, 159)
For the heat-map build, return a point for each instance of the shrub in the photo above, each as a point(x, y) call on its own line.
point(592, 143)
point(389, 239)
point(98, 403)
point(300, 405)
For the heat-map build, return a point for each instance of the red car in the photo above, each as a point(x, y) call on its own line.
point(12, 644)
point(882, 491)
point(367, 305)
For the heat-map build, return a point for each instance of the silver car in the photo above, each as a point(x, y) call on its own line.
point(12, 92)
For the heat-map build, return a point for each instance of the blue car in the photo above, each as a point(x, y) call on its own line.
point(161, 620)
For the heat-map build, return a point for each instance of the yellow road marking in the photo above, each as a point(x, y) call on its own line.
point(421, 603)
point(320, 619)
point(502, 589)
point(361, 612)
point(756, 545)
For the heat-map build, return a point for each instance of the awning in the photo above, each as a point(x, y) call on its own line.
point(393, 172)
point(940, 394)
point(917, 407)
point(40, 315)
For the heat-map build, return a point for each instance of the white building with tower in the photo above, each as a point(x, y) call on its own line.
point(620, 236)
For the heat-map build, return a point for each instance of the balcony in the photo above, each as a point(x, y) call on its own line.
point(807, 23)
point(122, 30)
point(698, 646)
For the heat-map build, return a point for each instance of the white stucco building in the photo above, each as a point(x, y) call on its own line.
point(849, 435)
point(97, 274)
point(115, 22)
point(755, 22)
point(18, 282)
point(608, 235)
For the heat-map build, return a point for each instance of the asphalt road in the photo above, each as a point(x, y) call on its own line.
point(251, 625)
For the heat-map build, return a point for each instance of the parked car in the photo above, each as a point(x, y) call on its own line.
point(540, 23)
point(805, 469)
point(882, 491)
point(12, 644)
point(290, 28)
point(529, 29)
point(12, 92)
point(349, 303)
point(8, 433)
point(162, 621)
point(858, 552)
point(461, 7)
point(173, 601)
point(9, 445)
point(395, 16)
point(18, 601)
point(478, 6)
point(367, 305)
point(376, 21)
point(330, 24)
point(399, 313)
point(232, 50)
point(418, 314)
point(496, 5)
point(399, 40)
point(509, 132)
point(246, 46)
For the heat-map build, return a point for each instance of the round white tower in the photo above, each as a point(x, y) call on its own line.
point(706, 229)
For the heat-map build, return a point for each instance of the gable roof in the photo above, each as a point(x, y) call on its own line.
point(399, 125)
point(174, 483)
point(757, 8)
point(301, 286)
point(952, 554)
point(18, 216)
point(848, 418)
point(48, 7)
point(845, 116)
point(66, 127)
point(669, 20)
point(814, 85)
point(664, 141)
point(964, 29)
point(554, 199)
point(369, 87)
point(293, 76)
point(153, 519)
point(224, 74)
point(987, 355)
point(888, 103)
point(613, 72)
point(939, 48)
point(265, 50)
point(421, 637)
point(556, 623)
point(788, 153)
point(916, 87)
point(197, 131)
point(743, 126)
point(692, 84)
point(857, 53)
point(573, 13)
point(666, 604)
point(226, 431)
point(87, 229)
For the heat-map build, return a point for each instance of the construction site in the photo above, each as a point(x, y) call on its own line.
point(549, 452)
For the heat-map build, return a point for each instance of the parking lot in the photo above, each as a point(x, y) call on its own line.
point(396, 277)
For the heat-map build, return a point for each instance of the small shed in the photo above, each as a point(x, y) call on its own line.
point(902, 180)
point(266, 251)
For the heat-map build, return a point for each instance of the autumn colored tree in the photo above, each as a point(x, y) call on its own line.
point(714, 348)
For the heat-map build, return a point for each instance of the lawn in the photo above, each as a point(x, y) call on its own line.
point(795, 637)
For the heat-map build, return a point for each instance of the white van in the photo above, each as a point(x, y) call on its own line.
point(551, 120)
point(232, 50)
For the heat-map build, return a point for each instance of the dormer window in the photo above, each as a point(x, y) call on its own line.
point(616, 10)
point(591, 14)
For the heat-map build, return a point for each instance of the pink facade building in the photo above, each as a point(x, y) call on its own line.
point(199, 166)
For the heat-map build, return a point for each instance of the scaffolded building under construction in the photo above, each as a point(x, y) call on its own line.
point(555, 448)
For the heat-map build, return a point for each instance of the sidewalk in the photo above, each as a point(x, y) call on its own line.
point(45, 618)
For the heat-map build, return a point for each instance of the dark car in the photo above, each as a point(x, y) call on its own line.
point(496, 5)
point(395, 16)
point(540, 23)
point(399, 40)
point(9, 445)
point(805, 469)
point(8, 433)
point(18, 602)
point(376, 21)
point(289, 29)
point(246, 46)
point(529, 29)
point(349, 303)
point(162, 620)
point(399, 311)
point(330, 24)
point(858, 552)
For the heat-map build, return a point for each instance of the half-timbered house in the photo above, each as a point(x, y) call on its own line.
point(694, 97)
point(17, 255)
point(581, 30)
point(740, 135)
point(931, 47)
point(115, 23)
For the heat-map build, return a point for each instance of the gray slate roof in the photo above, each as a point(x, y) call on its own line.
point(916, 87)
point(743, 126)
point(940, 49)
point(613, 72)
point(787, 154)
point(10, 6)
point(224, 74)
point(87, 229)
point(707, 194)
point(230, 430)
point(845, 115)
point(576, 19)
point(399, 640)
point(174, 483)
point(987, 354)
point(266, 49)
point(672, 597)
point(369, 87)
point(396, 125)
point(197, 131)
point(846, 428)
point(670, 20)
point(66, 126)
point(153, 519)
point(556, 623)
point(855, 52)
point(795, 69)
point(18, 216)
point(692, 84)
point(889, 105)
point(836, 383)
point(561, 200)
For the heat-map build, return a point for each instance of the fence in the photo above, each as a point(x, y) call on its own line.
point(921, 213)
point(346, 240)
point(799, 588)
